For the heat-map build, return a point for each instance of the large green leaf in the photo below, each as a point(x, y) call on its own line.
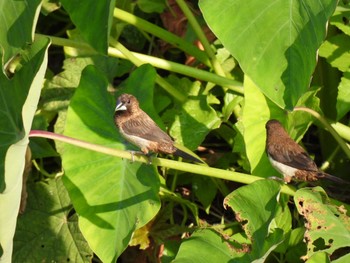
point(257, 213)
point(112, 196)
point(19, 97)
point(93, 19)
point(17, 23)
point(256, 112)
point(47, 231)
point(327, 227)
point(275, 42)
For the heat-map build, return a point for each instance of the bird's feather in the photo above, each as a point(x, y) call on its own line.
point(292, 157)
point(143, 126)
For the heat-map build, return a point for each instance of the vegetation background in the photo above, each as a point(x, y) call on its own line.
point(210, 73)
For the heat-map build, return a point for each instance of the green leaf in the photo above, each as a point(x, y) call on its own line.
point(205, 190)
point(257, 111)
point(340, 18)
point(327, 227)
point(195, 118)
point(319, 257)
point(257, 212)
point(213, 248)
point(343, 99)
point(17, 24)
point(40, 147)
point(296, 248)
point(112, 196)
point(47, 231)
point(152, 6)
point(49, 6)
point(336, 50)
point(275, 42)
point(19, 98)
point(93, 19)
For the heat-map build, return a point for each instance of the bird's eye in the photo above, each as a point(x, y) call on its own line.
point(128, 102)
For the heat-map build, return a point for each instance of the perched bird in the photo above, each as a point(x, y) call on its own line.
point(289, 158)
point(139, 129)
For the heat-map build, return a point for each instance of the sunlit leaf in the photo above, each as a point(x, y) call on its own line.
point(213, 248)
point(343, 100)
point(113, 197)
point(19, 99)
point(275, 42)
point(336, 50)
point(257, 222)
point(327, 225)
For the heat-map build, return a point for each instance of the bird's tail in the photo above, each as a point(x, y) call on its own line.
point(188, 156)
point(332, 178)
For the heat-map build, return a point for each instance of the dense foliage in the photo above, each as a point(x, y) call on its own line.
point(210, 73)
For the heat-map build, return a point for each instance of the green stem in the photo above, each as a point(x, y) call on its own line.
point(159, 80)
point(162, 33)
point(233, 85)
point(343, 130)
point(201, 36)
point(181, 166)
point(331, 130)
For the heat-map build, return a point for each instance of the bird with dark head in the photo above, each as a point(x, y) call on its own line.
point(139, 129)
point(289, 158)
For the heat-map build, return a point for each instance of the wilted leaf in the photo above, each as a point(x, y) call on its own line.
point(256, 212)
point(327, 227)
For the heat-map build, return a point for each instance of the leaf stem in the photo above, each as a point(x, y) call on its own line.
point(201, 36)
point(159, 80)
point(329, 127)
point(233, 85)
point(186, 167)
point(161, 33)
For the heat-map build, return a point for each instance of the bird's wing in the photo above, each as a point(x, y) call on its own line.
point(296, 158)
point(143, 126)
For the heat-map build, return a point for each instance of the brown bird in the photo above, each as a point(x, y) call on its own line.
point(289, 158)
point(139, 129)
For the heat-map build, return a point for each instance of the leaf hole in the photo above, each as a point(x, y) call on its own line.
point(320, 245)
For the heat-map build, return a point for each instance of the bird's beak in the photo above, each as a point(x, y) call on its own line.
point(120, 106)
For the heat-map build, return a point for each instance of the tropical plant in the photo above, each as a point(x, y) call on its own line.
point(211, 74)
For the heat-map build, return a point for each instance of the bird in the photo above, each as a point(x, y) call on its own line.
point(139, 129)
point(289, 158)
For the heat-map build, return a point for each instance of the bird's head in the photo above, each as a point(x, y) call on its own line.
point(127, 103)
point(273, 125)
